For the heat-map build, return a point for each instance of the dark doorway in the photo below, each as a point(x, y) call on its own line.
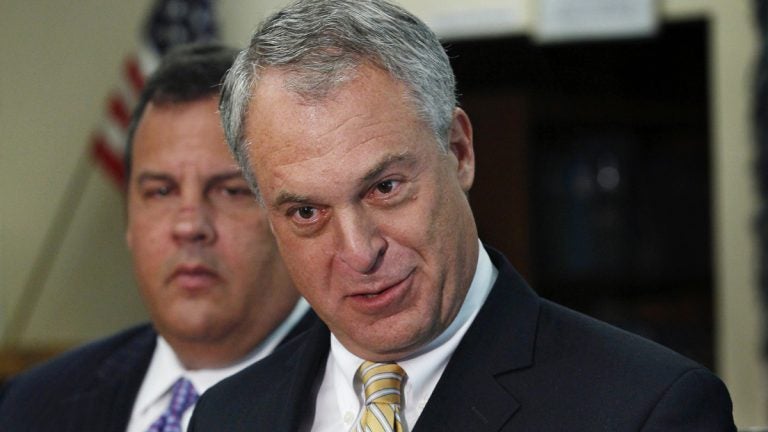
point(594, 174)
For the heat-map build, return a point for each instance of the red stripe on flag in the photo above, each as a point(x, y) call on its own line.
point(106, 157)
point(118, 110)
point(133, 73)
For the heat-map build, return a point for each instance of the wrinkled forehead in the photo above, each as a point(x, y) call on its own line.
point(179, 134)
point(366, 119)
point(368, 98)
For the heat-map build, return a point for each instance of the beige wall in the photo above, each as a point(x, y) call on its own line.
point(734, 55)
point(59, 61)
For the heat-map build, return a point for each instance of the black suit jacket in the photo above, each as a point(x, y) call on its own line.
point(91, 388)
point(525, 364)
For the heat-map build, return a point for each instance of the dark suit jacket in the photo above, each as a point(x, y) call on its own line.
point(91, 388)
point(525, 364)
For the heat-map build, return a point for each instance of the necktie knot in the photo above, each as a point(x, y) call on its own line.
point(382, 383)
point(183, 396)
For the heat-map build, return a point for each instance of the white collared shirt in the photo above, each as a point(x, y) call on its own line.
point(165, 369)
point(340, 395)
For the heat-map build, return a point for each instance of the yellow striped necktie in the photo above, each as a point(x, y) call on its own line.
point(382, 383)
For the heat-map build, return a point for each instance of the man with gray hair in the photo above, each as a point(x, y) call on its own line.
point(343, 117)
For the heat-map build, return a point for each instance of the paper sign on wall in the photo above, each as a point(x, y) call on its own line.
point(566, 20)
point(469, 20)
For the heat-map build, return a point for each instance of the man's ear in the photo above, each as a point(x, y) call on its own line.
point(460, 144)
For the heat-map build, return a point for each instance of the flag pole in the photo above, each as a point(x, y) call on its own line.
point(51, 246)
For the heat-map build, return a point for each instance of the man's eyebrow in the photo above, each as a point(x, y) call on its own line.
point(224, 176)
point(152, 176)
point(385, 163)
point(287, 197)
point(159, 176)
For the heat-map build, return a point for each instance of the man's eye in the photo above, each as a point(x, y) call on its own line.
point(306, 212)
point(385, 189)
point(305, 215)
point(237, 191)
point(386, 186)
point(306, 220)
point(159, 191)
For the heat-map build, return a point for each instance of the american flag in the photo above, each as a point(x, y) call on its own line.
point(170, 22)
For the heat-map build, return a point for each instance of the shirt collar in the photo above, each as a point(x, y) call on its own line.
point(427, 364)
point(165, 367)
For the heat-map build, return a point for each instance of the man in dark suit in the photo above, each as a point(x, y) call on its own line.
point(342, 114)
point(207, 267)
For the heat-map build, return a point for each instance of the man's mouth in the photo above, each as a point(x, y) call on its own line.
point(384, 296)
point(194, 277)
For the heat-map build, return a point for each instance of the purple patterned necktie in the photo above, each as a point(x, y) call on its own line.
point(183, 396)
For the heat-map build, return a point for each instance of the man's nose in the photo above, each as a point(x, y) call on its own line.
point(360, 245)
point(193, 222)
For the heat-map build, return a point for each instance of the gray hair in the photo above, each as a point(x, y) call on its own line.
point(321, 43)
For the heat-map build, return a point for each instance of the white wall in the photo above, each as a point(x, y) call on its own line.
point(59, 61)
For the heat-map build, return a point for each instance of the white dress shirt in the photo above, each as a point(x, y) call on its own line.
point(340, 395)
point(165, 369)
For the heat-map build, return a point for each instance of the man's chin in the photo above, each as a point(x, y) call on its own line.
point(391, 343)
point(193, 331)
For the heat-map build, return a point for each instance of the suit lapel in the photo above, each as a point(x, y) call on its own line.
point(469, 396)
point(305, 323)
point(308, 375)
point(106, 403)
point(294, 394)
